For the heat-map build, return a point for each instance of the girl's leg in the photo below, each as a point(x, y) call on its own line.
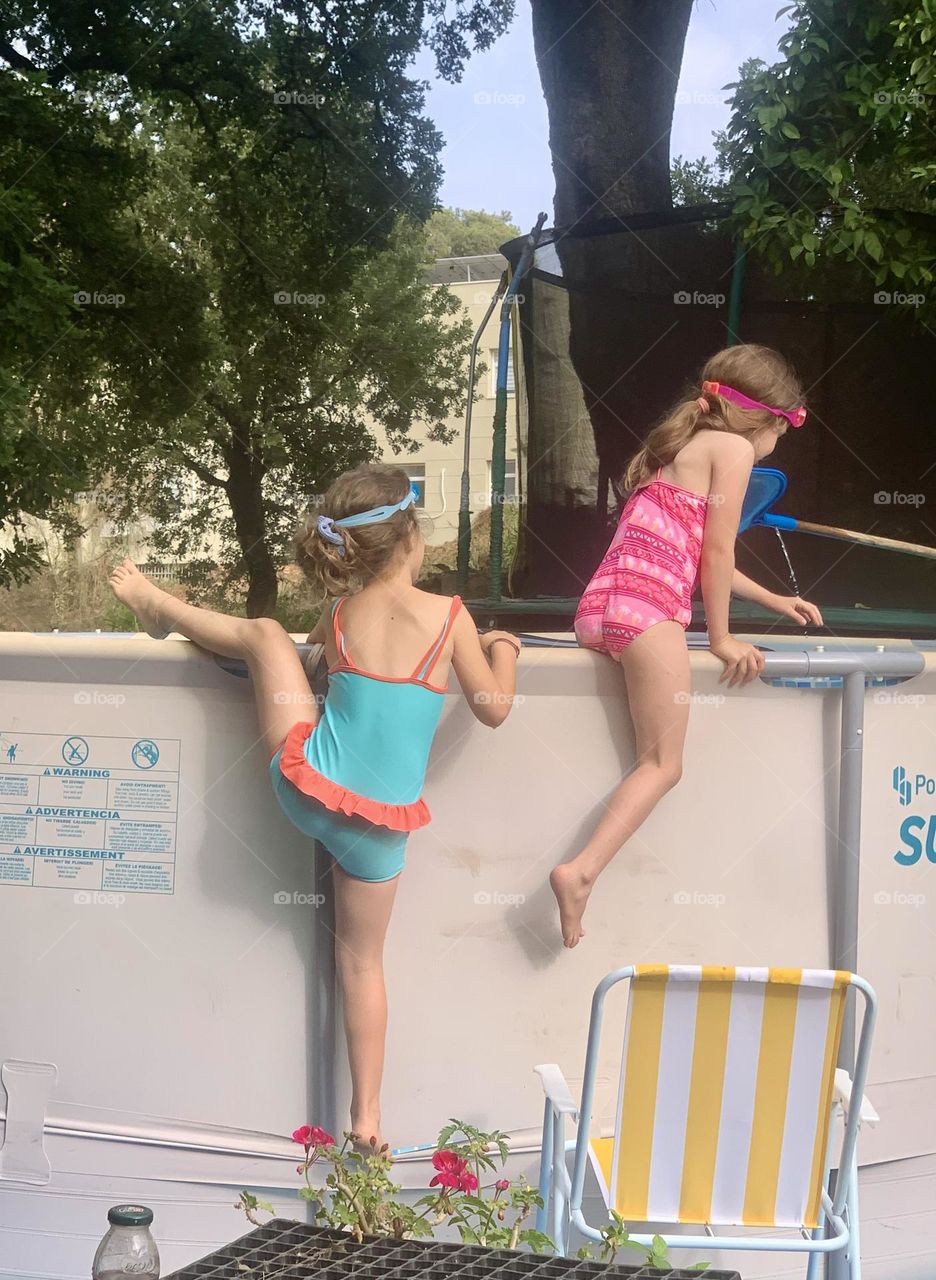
point(279, 682)
point(362, 913)
point(656, 668)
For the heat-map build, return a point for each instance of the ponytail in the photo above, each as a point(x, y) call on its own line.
point(759, 372)
point(665, 441)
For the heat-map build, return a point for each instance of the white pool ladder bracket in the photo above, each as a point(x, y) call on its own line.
point(22, 1156)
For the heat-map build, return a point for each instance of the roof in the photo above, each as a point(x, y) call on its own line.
point(479, 266)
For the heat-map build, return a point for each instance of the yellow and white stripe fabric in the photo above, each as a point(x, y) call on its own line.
point(725, 1096)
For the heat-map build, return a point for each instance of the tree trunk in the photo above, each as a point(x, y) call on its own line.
point(245, 494)
point(609, 73)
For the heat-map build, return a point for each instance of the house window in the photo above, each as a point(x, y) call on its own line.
point(510, 480)
point(510, 373)
point(417, 477)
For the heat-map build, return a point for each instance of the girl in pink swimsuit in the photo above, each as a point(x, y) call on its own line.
point(648, 572)
point(687, 485)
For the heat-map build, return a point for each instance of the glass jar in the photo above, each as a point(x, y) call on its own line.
point(128, 1249)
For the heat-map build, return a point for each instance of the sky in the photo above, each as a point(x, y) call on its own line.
point(494, 122)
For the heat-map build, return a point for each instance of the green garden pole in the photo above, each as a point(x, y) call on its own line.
point(734, 295)
point(464, 506)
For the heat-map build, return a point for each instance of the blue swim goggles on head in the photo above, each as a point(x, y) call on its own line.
point(327, 527)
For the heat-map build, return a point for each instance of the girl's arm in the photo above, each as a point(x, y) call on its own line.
point(747, 589)
point(319, 632)
point(486, 667)
point(316, 637)
point(794, 607)
point(732, 460)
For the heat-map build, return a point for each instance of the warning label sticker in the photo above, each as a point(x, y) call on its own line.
point(82, 811)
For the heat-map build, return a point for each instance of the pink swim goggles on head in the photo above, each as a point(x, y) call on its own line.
point(795, 417)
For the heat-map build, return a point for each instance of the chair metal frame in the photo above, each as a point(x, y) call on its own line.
point(838, 1228)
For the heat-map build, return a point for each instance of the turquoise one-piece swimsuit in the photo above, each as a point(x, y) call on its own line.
point(354, 780)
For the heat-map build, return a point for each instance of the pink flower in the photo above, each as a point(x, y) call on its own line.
point(450, 1170)
point(310, 1135)
point(501, 1185)
point(467, 1181)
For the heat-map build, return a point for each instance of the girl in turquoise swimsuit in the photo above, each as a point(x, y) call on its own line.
point(352, 778)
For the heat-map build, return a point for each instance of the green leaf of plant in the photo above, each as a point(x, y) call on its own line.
point(538, 1241)
point(445, 1135)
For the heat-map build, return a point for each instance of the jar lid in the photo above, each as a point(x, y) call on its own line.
point(130, 1215)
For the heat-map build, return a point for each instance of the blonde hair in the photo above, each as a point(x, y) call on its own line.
point(757, 372)
point(367, 549)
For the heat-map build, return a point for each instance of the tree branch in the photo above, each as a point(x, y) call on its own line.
point(317, 401)
point(206, 476)
point(16, 59)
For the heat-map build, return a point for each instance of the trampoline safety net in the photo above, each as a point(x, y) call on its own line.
point(615, 322)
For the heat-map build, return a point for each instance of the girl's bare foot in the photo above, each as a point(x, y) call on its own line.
point(366, 1130)
point(366, 1139)
point(140, 595)
point(571, 890)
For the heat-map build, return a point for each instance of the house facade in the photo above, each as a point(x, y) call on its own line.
point(436, 468)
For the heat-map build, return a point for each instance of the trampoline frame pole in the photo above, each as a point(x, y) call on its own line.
point(499, 444)
point(734, 295)
point(464, 504)
point(499, 452)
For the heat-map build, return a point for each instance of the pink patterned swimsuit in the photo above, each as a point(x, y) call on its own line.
point(648, 572)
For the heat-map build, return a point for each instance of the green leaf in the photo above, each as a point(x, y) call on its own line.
point(538, 1241)
point(445, 1134)
point(789, 130)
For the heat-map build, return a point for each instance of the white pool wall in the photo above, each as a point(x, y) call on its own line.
point(208, 1013)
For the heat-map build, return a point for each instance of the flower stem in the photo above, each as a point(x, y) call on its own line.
point(490, 1217)
point(365, 1223)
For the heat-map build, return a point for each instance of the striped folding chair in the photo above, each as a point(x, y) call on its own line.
point(727, 1091)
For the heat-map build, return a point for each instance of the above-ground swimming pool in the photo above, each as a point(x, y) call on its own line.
point(167, 947)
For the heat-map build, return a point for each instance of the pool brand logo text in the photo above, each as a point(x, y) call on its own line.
point(906, 789)
point(918, 833)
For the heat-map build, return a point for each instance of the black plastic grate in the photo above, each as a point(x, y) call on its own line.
point(295, 1251)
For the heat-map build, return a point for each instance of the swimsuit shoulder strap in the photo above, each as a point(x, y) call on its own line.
point(338, 633)
point(431, 656)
